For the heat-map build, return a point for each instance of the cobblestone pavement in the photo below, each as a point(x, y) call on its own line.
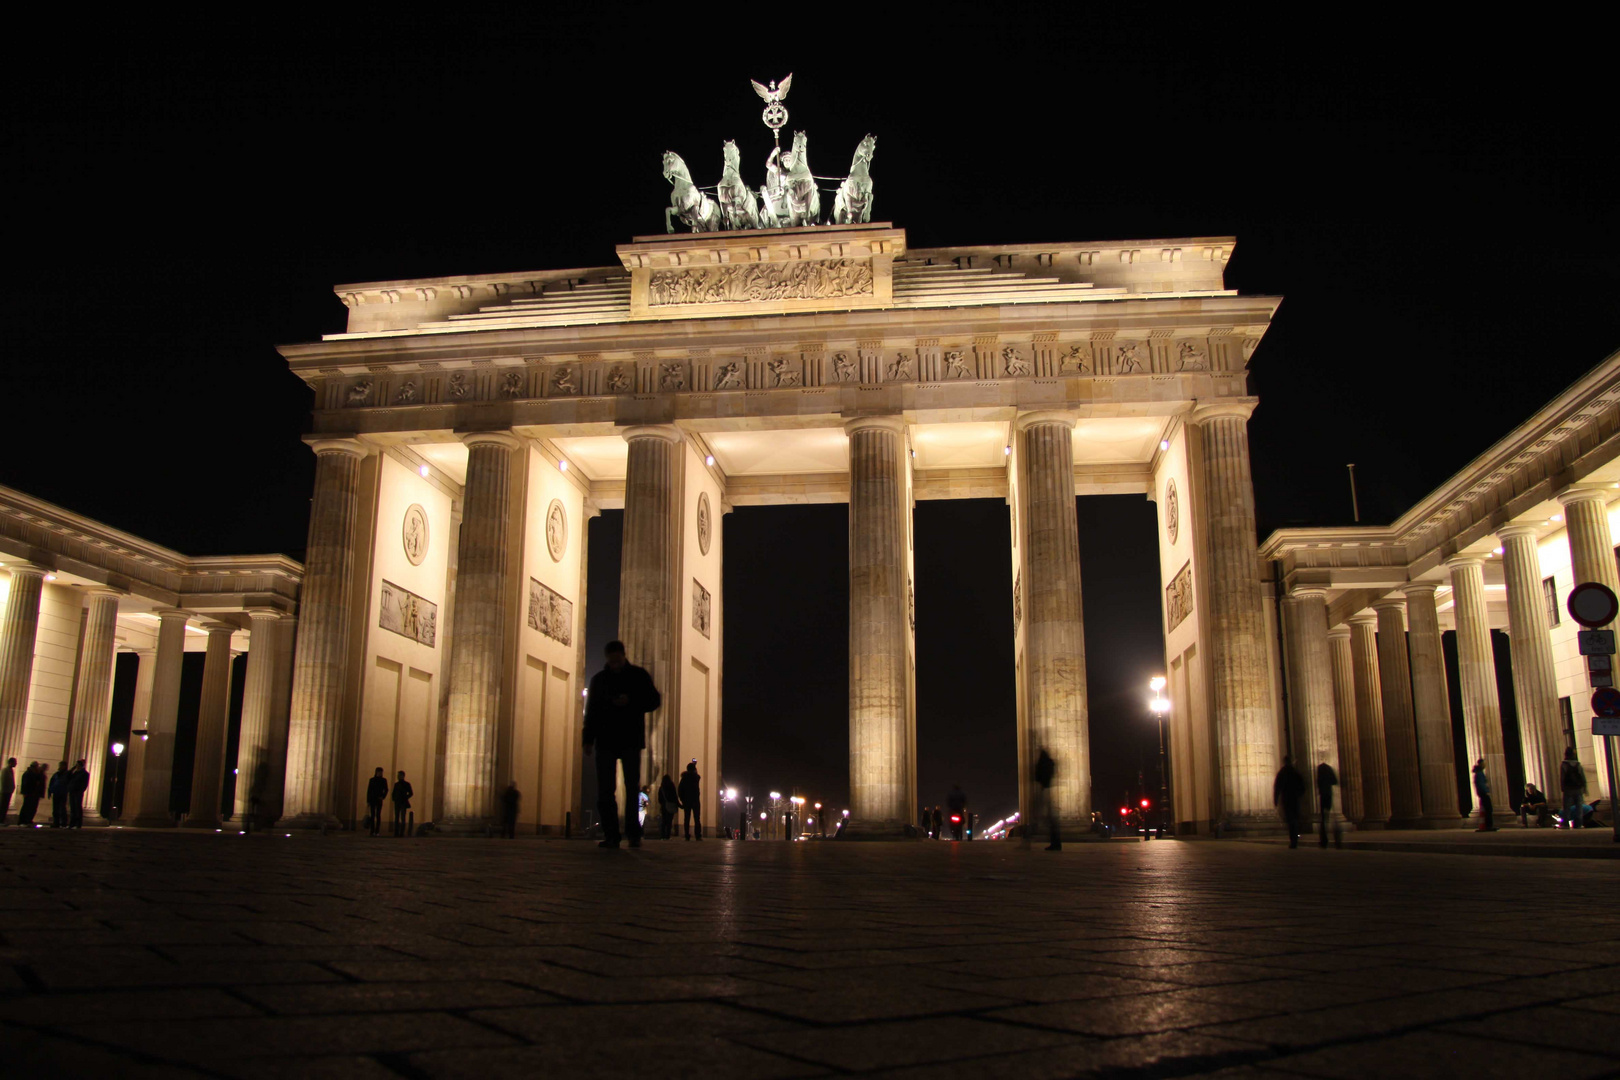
point(156, 954)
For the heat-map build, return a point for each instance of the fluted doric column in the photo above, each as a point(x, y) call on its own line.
point(17, 634)
point(140, 715)
point(1315, 723)
point(1344, 707)
point(1370, 721)
point(1476, 673)
point(92, 700)
point(879, 709)
point(1437, 765)
point(286, 636)
point(1591, 558)
point(213, 716)
point(1054, 621)
point(650, 586)
point(1239, 660)
point(482, 618)
point(320, 668)
point(1535, 685)
point(152, 811)
point(1400, 730)
point(253, 741)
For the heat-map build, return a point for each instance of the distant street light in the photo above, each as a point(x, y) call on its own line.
point(1160, 707)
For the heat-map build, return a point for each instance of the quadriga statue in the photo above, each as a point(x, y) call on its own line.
point(853, 203)
point(686, 200)
point(803, 198)
point(738, 207)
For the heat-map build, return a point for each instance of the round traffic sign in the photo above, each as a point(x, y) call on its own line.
point(1606, 701)
point(1592, 604)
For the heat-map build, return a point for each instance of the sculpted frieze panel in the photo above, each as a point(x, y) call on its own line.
point(551, 613)
point(809, 280)
point(701, 608)
point(1178, 597)
point(403, 612)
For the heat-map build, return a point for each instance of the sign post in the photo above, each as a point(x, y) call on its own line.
point(1594, 605)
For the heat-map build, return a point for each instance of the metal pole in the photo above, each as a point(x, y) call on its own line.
point(1608, 758)
point(1355, 507)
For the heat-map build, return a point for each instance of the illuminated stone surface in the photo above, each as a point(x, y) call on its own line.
point(177, 954)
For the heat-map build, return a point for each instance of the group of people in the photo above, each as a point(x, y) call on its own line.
point(66, 788)
point(377, 791)
point(685, 799)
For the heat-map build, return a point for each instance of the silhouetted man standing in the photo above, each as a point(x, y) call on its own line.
point(1326, 780)
point(33, 789)
point(1482, 788)
point(402, 802)
point(58, 789)
point(1045, 771)
point(1286, 791)
point(691, 797)
point(8, 787)
point(511, 798)
point(616, 707)
point(78, 785)
point(376, 792)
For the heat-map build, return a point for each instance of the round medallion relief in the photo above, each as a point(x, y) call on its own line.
point(703, 522)
point(1172, 510)
point(414, 534)
point(556, 530)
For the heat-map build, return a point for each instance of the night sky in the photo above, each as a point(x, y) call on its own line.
point(1439, 214)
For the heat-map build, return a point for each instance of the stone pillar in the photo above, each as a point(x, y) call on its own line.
point(17, 632)
point(157, 765)
point(92, 702)
point(1591, 558)
point(1316, 737)
point(879, 717)
point(286, 634)
point(1535, 686)
point(1476, 674)
point(1370, 722)
point(1239, 661)
point(258, 691)
point(1344, 709)
point(213, 717)
point(482, 618)
point(320, 668)
point(1054, 622)
point(139, 717)
point(1400, 730)
point(1437, 763)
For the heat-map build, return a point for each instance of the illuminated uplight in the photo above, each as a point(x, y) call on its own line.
point(1006, 451)
point(1164, 444)
point(423, 470)
point(563, 465)
point(1555, 518)
point(709, 460)
point(1496, 551)
point(50, 577)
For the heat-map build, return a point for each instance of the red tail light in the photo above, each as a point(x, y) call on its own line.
point(956, 819)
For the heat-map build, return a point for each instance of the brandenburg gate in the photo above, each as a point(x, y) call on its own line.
point(467, 427)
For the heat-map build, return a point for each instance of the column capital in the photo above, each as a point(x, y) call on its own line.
point(1362, 618)
point(504, 439)
point(173, 613)
point(25, 567)
point(262, 614)
point(1027, 420)
point(667, 432)
point(350, 447)
point(1396, 602)
point(1585, 494)
point(1339, 631)
point(1419, 587)
point(1307, 592)
point(219, 627)
point(1456, 561)
point(1513, 531)
point(1239, 407)
point(895, 424)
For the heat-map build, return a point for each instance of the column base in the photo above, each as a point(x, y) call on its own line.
point(880, 830)
point(202, 823)
point(1368, 825)
point(150, 821)
point(1444, 823)
point(1253, 825)
point(463, 827)
point(314, 821)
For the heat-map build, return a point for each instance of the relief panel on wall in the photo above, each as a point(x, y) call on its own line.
point(700, 608)
point(1178, 597)
point(407, 614)
point(551, 613)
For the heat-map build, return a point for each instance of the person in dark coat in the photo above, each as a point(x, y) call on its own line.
point(939, 823)
point(511, 799)
point(33, 789)
point(78, 786)
point(1572, 783)
point(1326, 781)
point(58, 789)
point(1482, 788)
point(1045, 771)
point(402, 802)
point(1286, 791)
point(669, 801)
point(376, 792)
point(8, 787)
point(616, 707)
point(691, 794)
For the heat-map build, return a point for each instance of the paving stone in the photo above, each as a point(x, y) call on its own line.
point(1139, 1014)
point(1440, 1054)
point(1550, 1026)
point(888, 1045)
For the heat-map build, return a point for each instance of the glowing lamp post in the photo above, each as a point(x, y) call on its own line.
point(1160, 707)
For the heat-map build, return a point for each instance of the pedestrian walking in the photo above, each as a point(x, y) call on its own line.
point(1045, 771)
point(402, 802)
point(57, 788)
point(8, 787)
point(1326, 780)
point(939, 823)
point(1572, 781)
point(78, 786)
point(1286, 791)
point(376, 792)
point(33, 789)
point(616, 707)
point(669, 801)
point(511, 798)
point(690, 791)
point(1482, 788)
